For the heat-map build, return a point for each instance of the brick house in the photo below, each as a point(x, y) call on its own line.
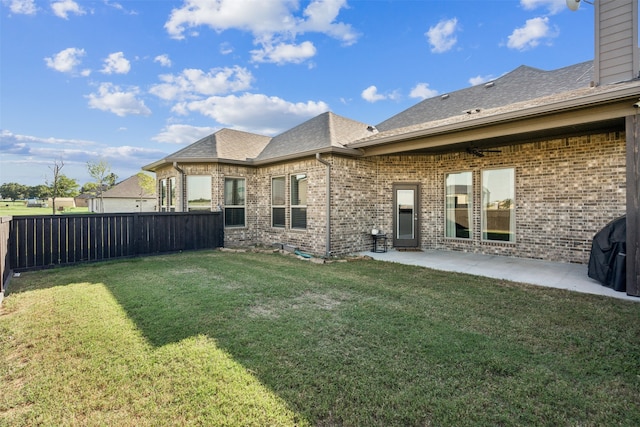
point(531, 165)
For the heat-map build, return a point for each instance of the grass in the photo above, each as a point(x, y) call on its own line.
point(215, 338)
point(11, 208)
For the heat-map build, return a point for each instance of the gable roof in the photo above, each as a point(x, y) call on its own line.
point(526, 93)
point(227, 144)
point(323, 132)
point(127, 189)
point(522, 84)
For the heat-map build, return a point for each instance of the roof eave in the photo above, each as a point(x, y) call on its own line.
point(325, 150)
point(582, 102)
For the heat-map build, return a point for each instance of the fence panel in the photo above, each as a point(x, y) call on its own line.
point(43, 241)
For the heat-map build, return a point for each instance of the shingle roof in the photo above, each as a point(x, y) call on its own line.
point(522, 84)
point(227, 144)
point(129, 188)
point(321, 132)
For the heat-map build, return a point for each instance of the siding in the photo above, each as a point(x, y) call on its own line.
point(617, 43)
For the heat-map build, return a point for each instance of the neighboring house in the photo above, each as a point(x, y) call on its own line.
point(62, 203)
point(82, 200)
point(531, 164)
point(126, 196)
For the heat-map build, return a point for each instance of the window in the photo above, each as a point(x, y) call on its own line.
point(198, 192)
point(171, 194)
point(163, 195)
point(459, 205)
point(234, 202)
point(498, 205)
point(277, 201)
point(299, 201)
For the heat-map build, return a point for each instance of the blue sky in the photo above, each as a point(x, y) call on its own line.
point(129, 81)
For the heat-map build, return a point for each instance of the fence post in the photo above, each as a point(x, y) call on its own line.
point(5, 260)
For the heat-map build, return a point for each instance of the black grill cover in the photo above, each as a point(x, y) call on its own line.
point(607, 244)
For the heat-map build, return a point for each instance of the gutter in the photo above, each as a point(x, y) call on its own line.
point(328, 205)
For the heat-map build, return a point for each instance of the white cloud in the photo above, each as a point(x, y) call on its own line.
point(64, 7)
point(267, 115)
point(66, 61)
point(116, 63)
point(11, 143)
point(371, 94)
point(163, 60)
point(194, 83)
point(284, 53)
point(119, 7)
point(27, 153)
point(553, 6)
point(22, 7)
point(442, 37)
point(226, 48)
point(422, 91)
point(183, 134)
point(529, 36)
point(122, 103)
point(273, 23)
point(478, 80)
point(321, 16)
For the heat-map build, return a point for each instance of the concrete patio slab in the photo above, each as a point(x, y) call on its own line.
point(572, 277)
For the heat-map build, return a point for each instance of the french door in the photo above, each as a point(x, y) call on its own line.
point(406, 208)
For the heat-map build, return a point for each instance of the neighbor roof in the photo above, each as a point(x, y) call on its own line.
point(522, 84)
point(129, 188)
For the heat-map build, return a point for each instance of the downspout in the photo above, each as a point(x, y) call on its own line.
point(182, 184)
point(328, 205)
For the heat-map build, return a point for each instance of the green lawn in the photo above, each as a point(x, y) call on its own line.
point(240, 339)
point(10, 208)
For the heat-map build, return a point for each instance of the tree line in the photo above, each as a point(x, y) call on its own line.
point(58, 185)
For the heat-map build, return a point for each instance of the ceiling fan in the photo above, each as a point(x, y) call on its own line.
point(479, 152)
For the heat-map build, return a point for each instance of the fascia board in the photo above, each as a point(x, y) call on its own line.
point(328, 150)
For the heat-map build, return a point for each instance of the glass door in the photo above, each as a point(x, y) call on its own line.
point(406, 233)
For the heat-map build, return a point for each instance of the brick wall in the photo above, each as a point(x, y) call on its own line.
point(312, 239)
point(566, 190)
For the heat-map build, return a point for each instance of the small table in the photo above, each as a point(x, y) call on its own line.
point(379, 243)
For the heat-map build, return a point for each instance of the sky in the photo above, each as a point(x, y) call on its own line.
point(131, 81)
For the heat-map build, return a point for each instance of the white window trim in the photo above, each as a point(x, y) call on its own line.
point(292, 206)
point(512, 218)
point(283, 206)
point(244, 206)
point(471, 209)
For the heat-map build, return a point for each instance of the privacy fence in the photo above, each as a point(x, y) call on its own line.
point(33, 242)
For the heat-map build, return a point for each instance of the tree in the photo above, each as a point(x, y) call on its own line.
point(60, 185)
point(39, 191)
point(89, 188)
point(111, 180)
point(147, 186)
point(14, 191)
point(100, 171)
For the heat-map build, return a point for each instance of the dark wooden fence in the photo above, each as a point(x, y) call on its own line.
point(43, 241)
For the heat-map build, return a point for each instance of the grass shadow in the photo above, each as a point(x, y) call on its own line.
point(372, 343)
